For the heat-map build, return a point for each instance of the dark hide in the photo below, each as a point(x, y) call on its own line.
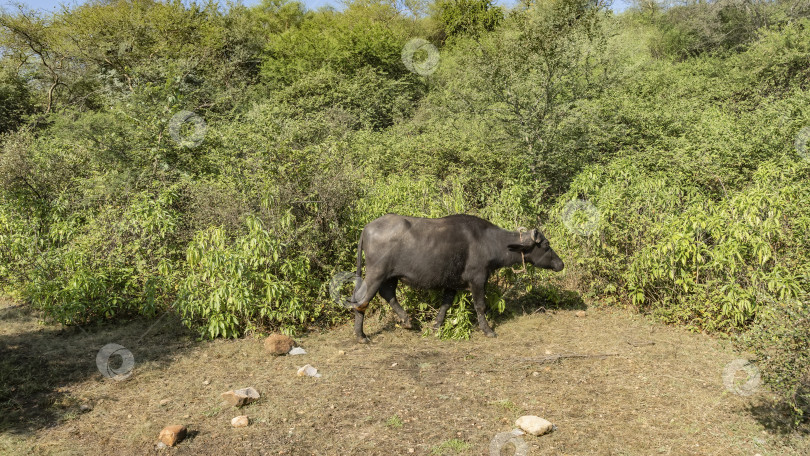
point(451, 253)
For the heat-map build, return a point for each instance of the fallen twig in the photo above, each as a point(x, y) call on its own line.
point(640, 344)
point(558, 357)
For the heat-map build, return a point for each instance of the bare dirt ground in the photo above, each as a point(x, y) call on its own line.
point(658, 390)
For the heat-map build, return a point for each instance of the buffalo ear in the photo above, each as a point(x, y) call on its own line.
point(519, 247)
point(525, 239)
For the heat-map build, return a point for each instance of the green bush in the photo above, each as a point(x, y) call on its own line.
point(15, 100)
point(111, 264)
point(670, 249)
point(728, 254)
point(460, 18)
point(780, 340)
point(231, 286)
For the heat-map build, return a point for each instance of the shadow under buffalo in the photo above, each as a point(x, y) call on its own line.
point(541, 299)
point(38, 362)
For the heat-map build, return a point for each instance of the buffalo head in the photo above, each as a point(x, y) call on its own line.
point(537, 251)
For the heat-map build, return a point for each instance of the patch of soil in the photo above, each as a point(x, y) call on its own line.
point(613, 383)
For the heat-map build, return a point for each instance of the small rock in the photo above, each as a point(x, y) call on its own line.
point(341, 352)
point(171, 435)
point(84, 408)
point(206, 382)
point(581, 314)
point(308, 370)
point(160, 445)
point(164, 402)
point(548, 352)
point(536, 374)
point(240, 421)
point(278, 344)
point(240, 397)
point(534, 425)
point(297, 351)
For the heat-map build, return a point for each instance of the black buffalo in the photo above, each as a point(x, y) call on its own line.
point(449, 253)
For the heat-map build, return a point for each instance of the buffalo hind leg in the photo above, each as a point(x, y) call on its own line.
point(359, 316)
point(388, 291)
point(479, 299)
point(363, 294)
point(447, 301)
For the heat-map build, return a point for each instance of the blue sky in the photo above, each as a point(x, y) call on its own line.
point(49, 5)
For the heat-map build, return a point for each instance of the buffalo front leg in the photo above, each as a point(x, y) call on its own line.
point(479, 299)
point(447, 301)
point(388, 291)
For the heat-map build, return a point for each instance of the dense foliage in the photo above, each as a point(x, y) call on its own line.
point(219, 161)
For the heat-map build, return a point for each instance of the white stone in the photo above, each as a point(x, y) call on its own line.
point(534, 425)
point(240, 397)
point(308, 370)
point(240, 421)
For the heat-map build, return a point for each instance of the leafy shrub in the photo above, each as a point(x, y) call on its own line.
point(18, 244)
point(728, 253)
point(467, 17)
point(690, 30)
point(367, 34)
point(115, 264)
point(668, 248)
point(780, 340)
point(369, 99)
point(780, 60)
point(232, 286)
point(15, 100)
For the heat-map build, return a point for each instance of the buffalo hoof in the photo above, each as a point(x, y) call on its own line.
point(491, 334)
point(438, 326)
point(407, 324)
point(363, 340)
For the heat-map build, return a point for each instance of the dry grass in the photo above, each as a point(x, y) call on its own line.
point(660, 391)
